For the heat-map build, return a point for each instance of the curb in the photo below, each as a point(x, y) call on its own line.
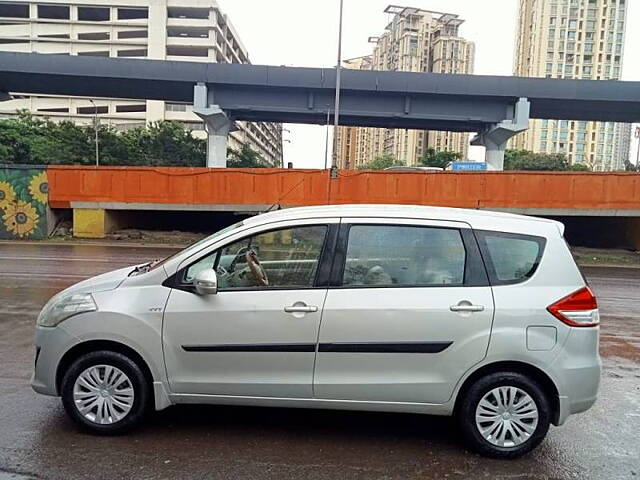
point(75, 243)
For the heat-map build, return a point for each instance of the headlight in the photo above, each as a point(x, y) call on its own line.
point(58, 310)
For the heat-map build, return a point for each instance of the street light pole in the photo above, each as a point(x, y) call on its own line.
point(336, 111)
point(95, 127)
point(638, 151)
point(326, 142)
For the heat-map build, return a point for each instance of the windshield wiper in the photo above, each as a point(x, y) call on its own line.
point(144, 268)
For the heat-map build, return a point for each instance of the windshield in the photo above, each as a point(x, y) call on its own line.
point(195, 246)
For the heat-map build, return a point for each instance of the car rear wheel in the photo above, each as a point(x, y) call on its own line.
point(504, 415)
point(105, 392)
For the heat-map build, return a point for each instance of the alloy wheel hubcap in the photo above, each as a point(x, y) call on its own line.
point(506, 416)
point(103, 394)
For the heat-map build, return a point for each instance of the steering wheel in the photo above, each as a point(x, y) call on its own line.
point(240, 254)
point(256, 268)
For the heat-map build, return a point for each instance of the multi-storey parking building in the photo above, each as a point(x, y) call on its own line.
point(182, 30)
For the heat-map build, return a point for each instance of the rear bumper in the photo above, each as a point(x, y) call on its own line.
point(578, 371)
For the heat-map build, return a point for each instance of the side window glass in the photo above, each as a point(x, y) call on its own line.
point(286, 258)
point(388, 255)
point(513, 258)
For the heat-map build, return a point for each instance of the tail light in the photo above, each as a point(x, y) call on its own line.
point(579, 309)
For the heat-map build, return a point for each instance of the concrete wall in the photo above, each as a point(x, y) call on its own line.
point(23, 202)
point(148, 188)
point(599, 209)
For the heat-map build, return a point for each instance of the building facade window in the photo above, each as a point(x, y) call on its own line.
point(94, 14)
point(132, 13)
point(54, 12)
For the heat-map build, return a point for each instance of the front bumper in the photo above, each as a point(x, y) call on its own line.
point(51, 344)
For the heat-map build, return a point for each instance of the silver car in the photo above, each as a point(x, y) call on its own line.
point(480, 315)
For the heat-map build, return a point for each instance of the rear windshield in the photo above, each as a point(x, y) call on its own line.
point(510, 258)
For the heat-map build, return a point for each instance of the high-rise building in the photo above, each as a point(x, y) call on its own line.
point(580, 39)
point(182, 30)
point(415, 40)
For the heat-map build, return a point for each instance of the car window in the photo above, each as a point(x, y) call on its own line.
point(512, 258)
point(287, 258)
point(193, 247)
point(390, 255)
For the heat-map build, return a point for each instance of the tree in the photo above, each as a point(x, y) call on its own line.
point(441, 159)
point(247, 157)
point(580, 167)
point(630, 167)
point(381, 162)
point(525, 160)
point(26, 139)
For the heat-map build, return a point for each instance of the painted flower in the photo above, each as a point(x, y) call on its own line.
point(20, 218)
point(39, 188)
point(7, 194)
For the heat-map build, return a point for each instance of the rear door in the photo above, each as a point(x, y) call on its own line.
point(408, 312)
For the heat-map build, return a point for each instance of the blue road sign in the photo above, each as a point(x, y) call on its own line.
point(468, 166)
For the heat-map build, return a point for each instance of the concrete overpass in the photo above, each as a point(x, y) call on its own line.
point(497, 107)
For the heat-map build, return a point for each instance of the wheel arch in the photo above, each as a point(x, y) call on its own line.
point(531, 371)
point(89, 346)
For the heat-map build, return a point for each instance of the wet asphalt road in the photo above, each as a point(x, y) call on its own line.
point(38, 441)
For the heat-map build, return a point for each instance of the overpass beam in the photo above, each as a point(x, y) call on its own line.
point(217, 123)
point(495, 137)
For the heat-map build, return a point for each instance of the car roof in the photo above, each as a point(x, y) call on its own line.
point(478, 219)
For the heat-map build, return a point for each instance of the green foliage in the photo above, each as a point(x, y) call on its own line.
point(440, 159)
point(30, 140)
point(247, 157)
point(526, 160)
point(580, 167)
point(381, 162)
point(630, 167)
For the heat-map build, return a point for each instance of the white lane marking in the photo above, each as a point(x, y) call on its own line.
point(70, 259)
point(45, 275)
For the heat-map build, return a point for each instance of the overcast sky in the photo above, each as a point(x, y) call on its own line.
point(304, 33)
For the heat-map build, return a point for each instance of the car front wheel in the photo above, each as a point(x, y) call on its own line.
point(504, 415)
point(105, 392)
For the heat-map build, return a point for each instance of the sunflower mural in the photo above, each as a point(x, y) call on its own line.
point(39, 188)
point(23, 203)
point(7, 194)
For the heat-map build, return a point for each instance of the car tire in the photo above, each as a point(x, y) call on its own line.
point(105, 392)
point(513, 415)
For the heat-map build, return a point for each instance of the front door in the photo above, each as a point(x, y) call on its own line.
point(257, 336)
point(410, 311)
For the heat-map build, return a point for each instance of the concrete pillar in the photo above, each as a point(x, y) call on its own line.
point(89, 223)
point(97, 222)
point(495, 137)
point(633, 233)
point(217, 124)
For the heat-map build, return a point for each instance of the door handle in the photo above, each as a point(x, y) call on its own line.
point(466, 307)
point(301, 309)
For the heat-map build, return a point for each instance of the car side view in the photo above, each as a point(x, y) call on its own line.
point(479, 315)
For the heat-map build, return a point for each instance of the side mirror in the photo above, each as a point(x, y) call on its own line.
point(206, 282)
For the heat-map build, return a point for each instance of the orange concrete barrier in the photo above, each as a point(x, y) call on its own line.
point(202, 186)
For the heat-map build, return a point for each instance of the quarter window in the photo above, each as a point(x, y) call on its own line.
point(511, 258)
point(289, 258)
point(404, 256)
